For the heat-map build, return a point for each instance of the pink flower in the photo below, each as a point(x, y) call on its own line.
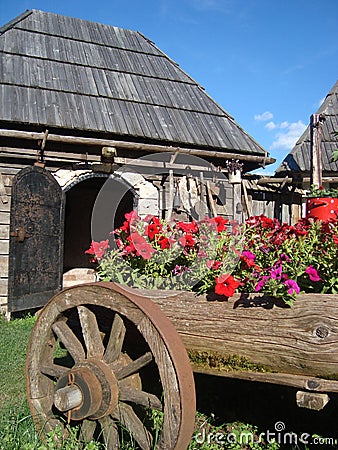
point(262, 282)
point(293, 287)
point(98, 248)
point(313, 274)
point(276, 272)
point(141, 246)
point(249, 255)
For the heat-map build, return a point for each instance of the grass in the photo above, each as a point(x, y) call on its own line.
point(14, 338)
point(17, 430)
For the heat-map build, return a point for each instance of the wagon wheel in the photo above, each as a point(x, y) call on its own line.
point(107, 364)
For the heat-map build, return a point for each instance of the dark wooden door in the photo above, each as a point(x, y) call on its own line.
point(36, 239)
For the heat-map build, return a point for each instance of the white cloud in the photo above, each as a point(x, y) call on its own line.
point(290, 135)
point(270, 125)
point(267, 115)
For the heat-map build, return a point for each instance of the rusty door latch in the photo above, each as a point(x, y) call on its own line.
point(20, 234)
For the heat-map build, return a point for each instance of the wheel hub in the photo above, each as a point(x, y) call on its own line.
point(88, 390)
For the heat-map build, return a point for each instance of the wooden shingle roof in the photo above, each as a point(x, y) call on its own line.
point(61, 72)
point(298, 160)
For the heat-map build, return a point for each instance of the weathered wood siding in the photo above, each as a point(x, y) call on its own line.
point(5, 204)
point(287, 207)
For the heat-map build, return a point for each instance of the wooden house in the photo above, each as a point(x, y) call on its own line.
point(284, 195)
point(86, 106)
point(297, 165)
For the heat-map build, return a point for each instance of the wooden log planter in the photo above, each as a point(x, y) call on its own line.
point(115, 334)
point(258, 338)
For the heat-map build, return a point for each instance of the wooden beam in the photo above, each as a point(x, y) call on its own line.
point(289, 180)
point(272, 180)
point(316, 122)
point(134, 146)
point(283, 379)
point(171, 195)
point(49, 155)
point(247, 202)
point(168, 165)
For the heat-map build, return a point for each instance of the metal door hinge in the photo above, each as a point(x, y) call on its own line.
point(20, 234)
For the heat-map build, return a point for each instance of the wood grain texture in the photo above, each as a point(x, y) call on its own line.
point(301, 340)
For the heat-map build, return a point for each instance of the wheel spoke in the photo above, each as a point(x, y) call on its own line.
point(53, 370)
point(87, 430)
point(128, 394)
point(116, 339)
point(91, 332)
point(131, 422)
point(134, 366)
point(110, 433)
point(69, 340)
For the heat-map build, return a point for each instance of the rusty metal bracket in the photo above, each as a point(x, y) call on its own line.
point(20, 234)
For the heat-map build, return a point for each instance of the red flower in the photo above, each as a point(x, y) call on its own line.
point(335, 239)
point(226, 285)
point(98, 248)
point(268, 223)
point(187, 227)
point(187, 241)
point(220, 223)
point(164, 242)
point(153, 230)
point(142, 247)
point(125, 227)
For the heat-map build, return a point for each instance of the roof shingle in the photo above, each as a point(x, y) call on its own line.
point(75, 74)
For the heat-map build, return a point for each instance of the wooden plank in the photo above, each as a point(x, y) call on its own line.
point(299, 340)
point(3, 193)
point(284, 379)
point(4, 246)
point(5, 206)
point(3, 286)
point(3, 266)
point(4, 217)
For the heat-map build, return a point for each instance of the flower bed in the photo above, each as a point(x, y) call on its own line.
point(220, 258)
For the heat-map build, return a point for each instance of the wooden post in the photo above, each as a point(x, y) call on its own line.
point(171, 195)
point(316, 121)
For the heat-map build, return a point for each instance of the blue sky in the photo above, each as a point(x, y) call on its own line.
point(269, 63)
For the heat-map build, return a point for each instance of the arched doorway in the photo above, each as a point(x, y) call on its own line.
point(88, 215)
